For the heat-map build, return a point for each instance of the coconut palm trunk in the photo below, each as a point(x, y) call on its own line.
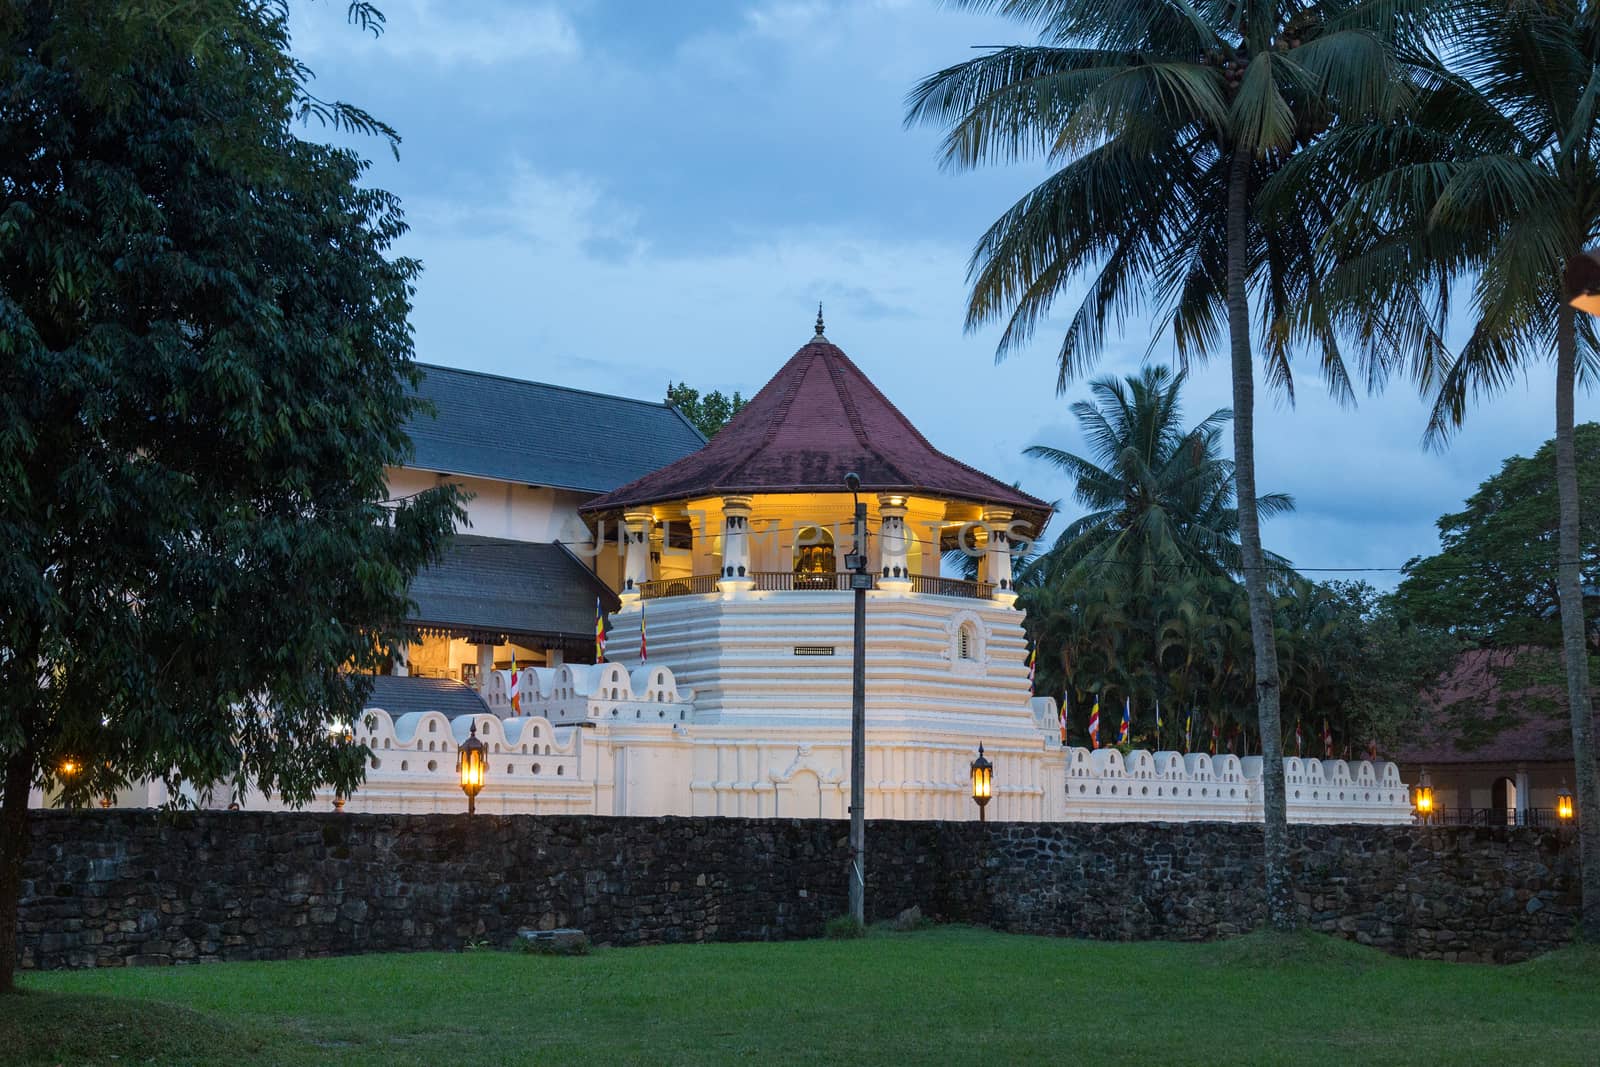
point(1279, 892)
point(1574, 644)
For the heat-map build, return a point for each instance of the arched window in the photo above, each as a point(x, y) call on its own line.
point(814, 565)
point(966, 642)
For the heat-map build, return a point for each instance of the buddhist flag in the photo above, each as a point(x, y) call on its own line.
point(1127, 720)
point(1033, 656)
point(1188, 730)
point(1094, 724)
point(1064, 714)
point(1299, 738)
point(1215, 737)
point(644, 653)
point(516, 686)
point(1327, 740)
point(599, 632)
point(1158, 724)
point(1372, 750)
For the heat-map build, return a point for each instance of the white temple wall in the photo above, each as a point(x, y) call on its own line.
point(504, 509)
point(600, 739)
point(739, 655)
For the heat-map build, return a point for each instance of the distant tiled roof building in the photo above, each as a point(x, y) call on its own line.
point(1497, 746)
point(493, 587)
point(531, 433)
point(517, 586)
point(406, 696)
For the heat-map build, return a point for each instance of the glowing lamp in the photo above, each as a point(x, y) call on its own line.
point(1424, 798)
point(471, 765)
point(1563, 804)
point(982, 783)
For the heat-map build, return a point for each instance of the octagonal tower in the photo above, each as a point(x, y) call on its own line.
point(734, 556)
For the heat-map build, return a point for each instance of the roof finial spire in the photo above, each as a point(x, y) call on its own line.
point(819, 318)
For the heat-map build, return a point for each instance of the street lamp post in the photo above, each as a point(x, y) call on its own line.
point(982, 783)
point(860, 582)
point(1424, 798)
point(471, 762)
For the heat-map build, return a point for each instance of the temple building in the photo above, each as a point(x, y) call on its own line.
point(723, 686)
point(720, 680)
point(1494, 750)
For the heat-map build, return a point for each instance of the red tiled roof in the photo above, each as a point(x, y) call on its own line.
point(818, 419)
point(1472, 721)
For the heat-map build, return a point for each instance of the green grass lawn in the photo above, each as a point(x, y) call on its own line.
point(941, 995)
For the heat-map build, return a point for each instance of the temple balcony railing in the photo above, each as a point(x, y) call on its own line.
point(932, 583)
point(1544, 817)
point(689, 585)
point(789, 581)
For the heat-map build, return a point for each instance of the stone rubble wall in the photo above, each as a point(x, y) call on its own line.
point(113, 888)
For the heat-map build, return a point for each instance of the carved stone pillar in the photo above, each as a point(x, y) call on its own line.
point(894, 543)
point(485, 664)
point(736, 576)
point(637, 527)
point(997, 558)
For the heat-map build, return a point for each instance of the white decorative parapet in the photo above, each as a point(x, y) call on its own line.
point(413, 764)
point(603, 692)
point(1105, 786)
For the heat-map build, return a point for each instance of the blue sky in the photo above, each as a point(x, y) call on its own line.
point(609, 195)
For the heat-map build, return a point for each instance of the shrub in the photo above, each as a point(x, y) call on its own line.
point(843, 927)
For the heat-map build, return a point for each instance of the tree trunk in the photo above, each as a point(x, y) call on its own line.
point(13, 849)
point(1280, 895)
point(1574, 646)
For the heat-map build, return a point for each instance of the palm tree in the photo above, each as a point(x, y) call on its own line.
point(1159, 497)
point(1498, 181)
point(1165, 118)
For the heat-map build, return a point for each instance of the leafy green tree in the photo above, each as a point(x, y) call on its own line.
point(708, 413)
point(1494, 580)
point(1396, 662)
point(1356, 660)
point(1159, 497)
point(206, 367)
point(1165, 120)
point(1495, 183)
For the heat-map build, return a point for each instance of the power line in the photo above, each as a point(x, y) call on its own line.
point(1183, 568)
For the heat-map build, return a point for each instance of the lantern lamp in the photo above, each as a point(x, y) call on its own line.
point(1424, 798)
point(982, 783)
point(1564, 803)
point(471, 765)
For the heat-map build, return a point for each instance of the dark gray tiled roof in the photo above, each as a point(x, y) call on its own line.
point(531, 433)
point(493, 585)
point(402, 696)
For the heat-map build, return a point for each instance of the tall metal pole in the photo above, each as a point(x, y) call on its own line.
point(860, 580)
